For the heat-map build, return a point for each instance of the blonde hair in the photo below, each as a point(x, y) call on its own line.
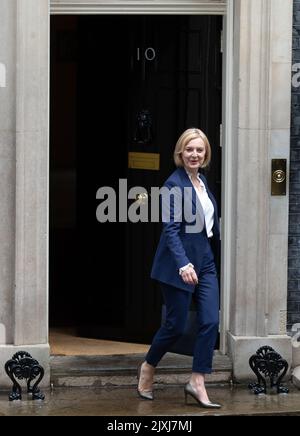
point(184, 139)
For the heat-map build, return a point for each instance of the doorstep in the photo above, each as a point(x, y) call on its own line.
point(121, 370)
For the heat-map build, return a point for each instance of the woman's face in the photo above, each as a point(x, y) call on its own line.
point(193, 154)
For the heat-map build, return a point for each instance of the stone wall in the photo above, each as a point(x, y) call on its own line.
point(294, 209)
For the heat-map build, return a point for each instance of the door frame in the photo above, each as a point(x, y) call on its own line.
point(190, 7)
point(142, 7)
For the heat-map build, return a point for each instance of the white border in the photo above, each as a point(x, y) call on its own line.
point(182, 7)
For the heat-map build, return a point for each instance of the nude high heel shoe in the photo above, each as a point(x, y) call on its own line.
point(189, 390)
point(146, 395)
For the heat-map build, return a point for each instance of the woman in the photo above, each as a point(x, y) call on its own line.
point(184, 265)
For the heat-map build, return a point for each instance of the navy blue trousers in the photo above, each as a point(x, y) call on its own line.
point(206, 297)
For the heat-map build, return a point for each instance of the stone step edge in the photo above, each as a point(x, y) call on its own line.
point(101, 380)
point(125, 372)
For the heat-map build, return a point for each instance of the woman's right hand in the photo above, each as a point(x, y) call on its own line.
point(189, 276)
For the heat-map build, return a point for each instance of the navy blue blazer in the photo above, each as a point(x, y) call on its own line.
point(177, 247)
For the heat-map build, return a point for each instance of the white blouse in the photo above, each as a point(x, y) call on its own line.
point(208, 210)
point(207, 206)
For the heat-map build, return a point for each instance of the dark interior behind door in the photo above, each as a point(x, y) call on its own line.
point(171, 67)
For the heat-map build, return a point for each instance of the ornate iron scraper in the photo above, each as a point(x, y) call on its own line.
point(267, 363)
point(23, 366)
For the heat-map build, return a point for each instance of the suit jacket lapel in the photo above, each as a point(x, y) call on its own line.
point(186, 183)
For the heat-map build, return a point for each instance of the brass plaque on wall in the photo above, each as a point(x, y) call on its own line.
point(143, 161)
point(278, 182)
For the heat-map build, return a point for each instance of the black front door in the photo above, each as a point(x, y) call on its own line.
point(141, 81)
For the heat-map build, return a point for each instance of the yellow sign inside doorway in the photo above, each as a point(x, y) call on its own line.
point(143, 161)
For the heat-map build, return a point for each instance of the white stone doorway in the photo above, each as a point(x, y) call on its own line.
point(256, 128)
point(218, 8)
